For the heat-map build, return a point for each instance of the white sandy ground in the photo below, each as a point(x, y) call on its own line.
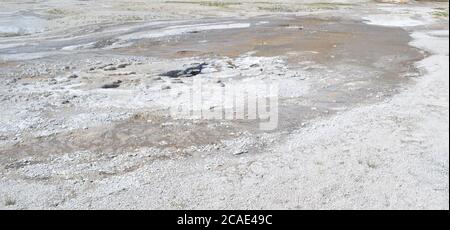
point(393, 155)
point(390, 155)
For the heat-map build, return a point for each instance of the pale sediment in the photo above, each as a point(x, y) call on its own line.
point(84, 120)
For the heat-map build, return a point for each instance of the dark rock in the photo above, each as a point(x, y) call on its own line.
point(172, 73)
point(220, 83)
point(232, 65)
point(115, 84)
point(189, 72)
point(104, 43)
point(240, 152)
point(123, 65)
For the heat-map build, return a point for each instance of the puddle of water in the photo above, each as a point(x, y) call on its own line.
point(360, 60)
point(321, 40)
point(18, 24)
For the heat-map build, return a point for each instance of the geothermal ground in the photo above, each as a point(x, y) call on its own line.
point(87, 87)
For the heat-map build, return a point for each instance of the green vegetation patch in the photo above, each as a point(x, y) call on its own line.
point(55, 11)
point(207, 3)
point(329, 5)
point(440, 13)
point(301, 7)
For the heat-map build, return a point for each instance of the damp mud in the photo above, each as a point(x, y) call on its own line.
point(333, 65)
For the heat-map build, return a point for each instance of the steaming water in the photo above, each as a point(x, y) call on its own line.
point(19, 23)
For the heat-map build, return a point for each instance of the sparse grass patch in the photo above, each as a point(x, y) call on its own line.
point(132, 18)
point(7, 35)
point(440, 13)
point(299, 7)
point(328, 5)
point(221, 4)
point(277, 8)
point(9, 201)
point(55, 11)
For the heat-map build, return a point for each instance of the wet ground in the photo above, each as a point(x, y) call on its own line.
point(337, 70)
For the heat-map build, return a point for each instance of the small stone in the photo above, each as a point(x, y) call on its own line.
point(189, 72)
point(240, 152)
point(73, 76)
point(115, 84)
